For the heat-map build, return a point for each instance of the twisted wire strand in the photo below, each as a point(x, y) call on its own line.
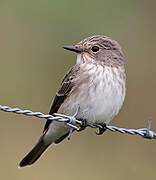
point(75, 124)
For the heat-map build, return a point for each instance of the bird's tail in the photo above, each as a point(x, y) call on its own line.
point(35, 153)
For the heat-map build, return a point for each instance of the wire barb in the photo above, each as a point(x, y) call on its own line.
point(75, 124)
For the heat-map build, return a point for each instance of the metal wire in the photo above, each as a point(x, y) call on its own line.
point(76, 124)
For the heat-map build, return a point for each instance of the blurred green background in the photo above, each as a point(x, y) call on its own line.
point(32, 64)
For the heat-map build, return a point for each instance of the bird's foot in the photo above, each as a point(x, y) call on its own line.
point(83, 125)
point(102, 128)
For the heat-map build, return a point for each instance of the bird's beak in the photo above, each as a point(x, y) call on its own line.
point(73, 48)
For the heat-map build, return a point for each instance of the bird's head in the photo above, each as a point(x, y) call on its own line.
point(97, 48)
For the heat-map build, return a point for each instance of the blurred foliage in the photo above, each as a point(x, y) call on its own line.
point(32, 64)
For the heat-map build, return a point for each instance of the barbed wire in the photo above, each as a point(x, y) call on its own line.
point(78, 125)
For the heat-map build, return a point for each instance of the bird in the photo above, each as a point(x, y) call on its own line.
point(96, 83)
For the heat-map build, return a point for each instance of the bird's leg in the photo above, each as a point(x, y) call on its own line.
point(102, 128)
point(83, 125)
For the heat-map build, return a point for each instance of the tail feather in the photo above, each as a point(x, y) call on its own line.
point(34, 154)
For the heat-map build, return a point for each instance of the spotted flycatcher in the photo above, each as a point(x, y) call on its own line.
point(96, 84)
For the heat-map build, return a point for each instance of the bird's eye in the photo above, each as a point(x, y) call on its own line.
point(95, 48)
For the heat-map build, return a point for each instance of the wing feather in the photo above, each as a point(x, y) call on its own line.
point(67, 84)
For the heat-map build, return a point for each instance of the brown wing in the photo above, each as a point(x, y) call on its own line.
point(66, 86)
